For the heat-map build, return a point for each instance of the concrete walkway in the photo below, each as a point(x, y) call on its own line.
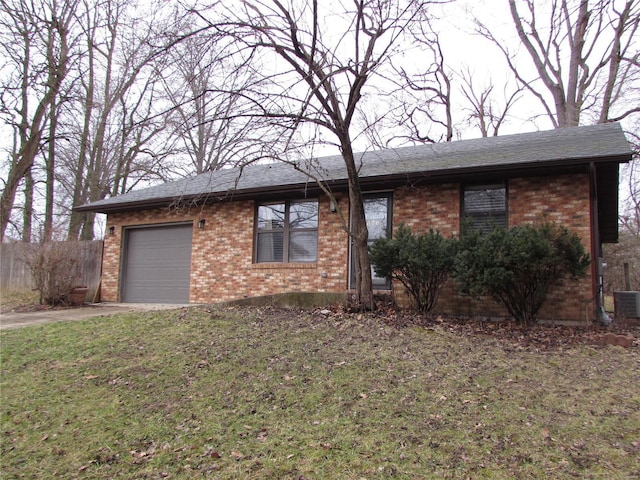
point(16, 320)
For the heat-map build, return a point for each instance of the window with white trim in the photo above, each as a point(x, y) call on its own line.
point(484, 207)
point(287, 232)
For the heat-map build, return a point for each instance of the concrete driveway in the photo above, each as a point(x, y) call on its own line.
point(16, 320)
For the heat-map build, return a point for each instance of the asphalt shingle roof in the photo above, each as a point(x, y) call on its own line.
point(568, 146)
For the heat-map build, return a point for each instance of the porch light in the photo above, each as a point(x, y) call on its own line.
point(201, 223)
point(332, 206)
point(112, 230)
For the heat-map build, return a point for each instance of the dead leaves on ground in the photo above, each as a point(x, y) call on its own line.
point(510, 335)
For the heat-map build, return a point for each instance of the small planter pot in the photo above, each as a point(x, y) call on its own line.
point(78, 295)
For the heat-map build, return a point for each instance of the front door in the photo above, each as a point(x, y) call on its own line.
point(377, 211)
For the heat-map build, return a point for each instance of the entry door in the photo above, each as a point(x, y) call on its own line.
point(377, 211)
point(156, 264)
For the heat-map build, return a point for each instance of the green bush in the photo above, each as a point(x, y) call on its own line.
point(422, 263)
point(517, 267)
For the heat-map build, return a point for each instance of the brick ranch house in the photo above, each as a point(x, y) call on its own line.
point(268, 229)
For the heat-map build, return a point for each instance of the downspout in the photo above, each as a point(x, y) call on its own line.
point(596, 251)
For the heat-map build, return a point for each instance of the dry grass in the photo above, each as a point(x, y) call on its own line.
point(17, 299)
point(267, 393)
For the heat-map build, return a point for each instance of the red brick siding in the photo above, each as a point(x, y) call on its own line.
point(222, 265)
point(560, 199)
point(435, 206)
point(565, 200)
point(222, 257)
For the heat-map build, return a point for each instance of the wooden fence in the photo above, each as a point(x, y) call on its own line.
point(15, 274)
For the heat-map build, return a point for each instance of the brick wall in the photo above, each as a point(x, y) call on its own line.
point(562, 199)
point(222, 267)
point(221, 259)
point(565, 200)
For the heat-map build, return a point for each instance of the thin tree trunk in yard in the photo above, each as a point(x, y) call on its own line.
point(362, 264)
point(359, 232)
point(328, 71)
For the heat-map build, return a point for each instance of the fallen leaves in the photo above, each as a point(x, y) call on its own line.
point(262, 435)
point(236, 455)
point(511, 335)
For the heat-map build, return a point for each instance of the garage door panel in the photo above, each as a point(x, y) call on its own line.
point(157, 264)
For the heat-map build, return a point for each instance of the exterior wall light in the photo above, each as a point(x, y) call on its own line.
point(201, 223)
point(112, 230)
point(333, 207)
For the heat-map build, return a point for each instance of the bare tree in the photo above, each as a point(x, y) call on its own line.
point(585, 55)
point(425, 98)
point(118, 115)
point(37, 42)
point(483, 110)
point(325, 56)
point(207, 120)
point(630, 215)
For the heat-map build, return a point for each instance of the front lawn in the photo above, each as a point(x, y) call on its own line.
point(267, 393)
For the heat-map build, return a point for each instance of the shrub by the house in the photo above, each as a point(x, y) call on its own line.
point(421, 263)
point(518, 267)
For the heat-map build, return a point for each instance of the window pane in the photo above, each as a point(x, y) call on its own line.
point(303, 215)
point(490, 199)
point(270, 247)
point(271, 217)
point(485, 207)
point(376, 213)
point(303, 246)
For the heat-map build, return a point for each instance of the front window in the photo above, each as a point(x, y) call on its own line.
point(287, 232)
point(484, 207)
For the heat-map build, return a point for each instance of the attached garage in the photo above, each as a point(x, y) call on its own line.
point(156, 264)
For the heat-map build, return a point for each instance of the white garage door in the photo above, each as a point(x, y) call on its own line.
point(156, 264)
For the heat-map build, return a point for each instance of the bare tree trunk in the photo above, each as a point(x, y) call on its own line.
point(57, 58)
point(50, 177)
point(571, 47)
point(619, 51)
point(76, 219)
point(576, 64)
point(27, 213)
point(358, 232)
point(26, 158)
